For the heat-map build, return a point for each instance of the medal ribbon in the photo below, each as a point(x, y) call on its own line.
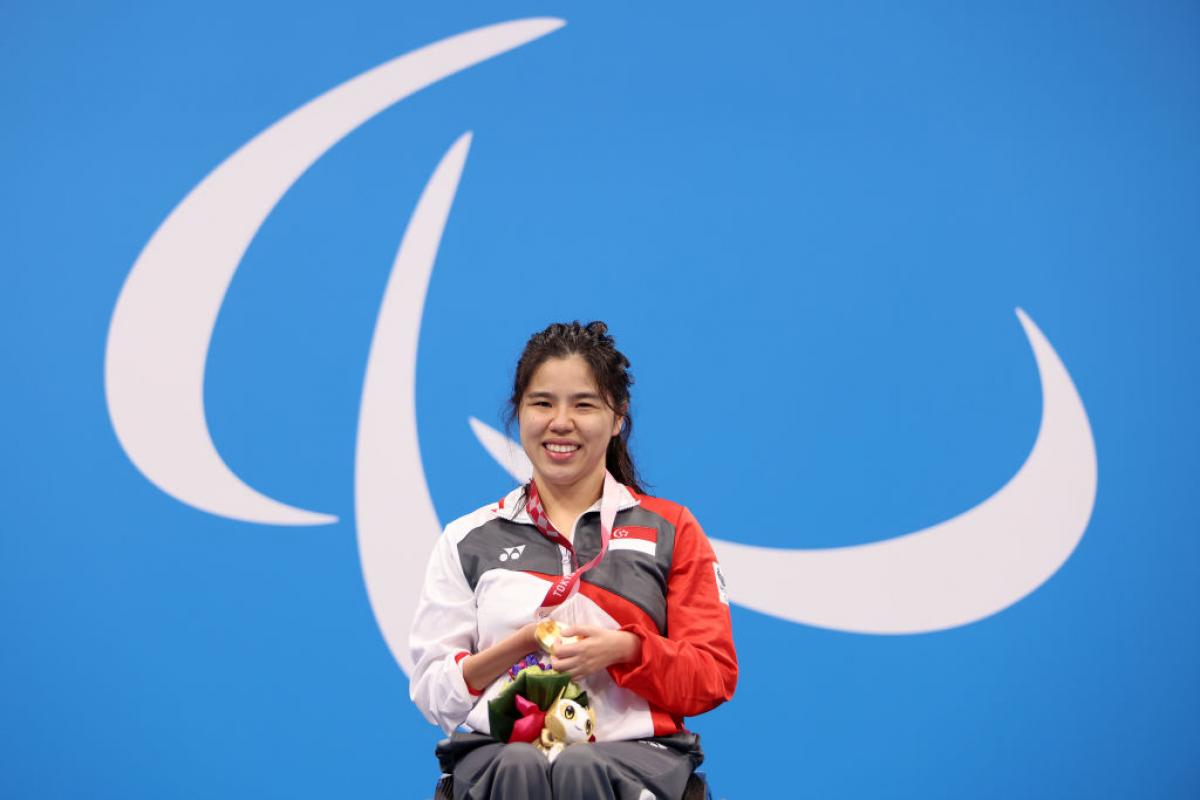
point(568, 584)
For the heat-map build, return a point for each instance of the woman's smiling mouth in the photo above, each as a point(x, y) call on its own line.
point(560, 451)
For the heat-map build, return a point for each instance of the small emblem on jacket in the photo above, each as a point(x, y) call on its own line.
point(634, 537)
point(512, 552)
point(722, 592)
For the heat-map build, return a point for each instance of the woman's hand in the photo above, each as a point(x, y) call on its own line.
point(480, 669)
point(597, 649)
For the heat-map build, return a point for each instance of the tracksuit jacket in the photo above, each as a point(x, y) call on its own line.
point(659, 580)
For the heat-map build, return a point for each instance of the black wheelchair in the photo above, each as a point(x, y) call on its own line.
point(697, 786)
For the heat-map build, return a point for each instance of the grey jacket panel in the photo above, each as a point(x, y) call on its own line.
point(503, 544)
point(636, 576)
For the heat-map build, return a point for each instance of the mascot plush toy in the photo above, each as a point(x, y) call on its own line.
point(567, 722)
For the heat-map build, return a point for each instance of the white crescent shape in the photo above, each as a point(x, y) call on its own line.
point(393, 506)
point(508, 454)
point(954, 573)
point(163, 320)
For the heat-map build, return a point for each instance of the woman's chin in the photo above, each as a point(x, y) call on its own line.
point(564, 476)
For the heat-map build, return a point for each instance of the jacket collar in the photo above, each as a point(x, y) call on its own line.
point(512, 507)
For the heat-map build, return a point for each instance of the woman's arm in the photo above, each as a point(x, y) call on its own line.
point(694, 667)
point(480, 669)
point(444, 632)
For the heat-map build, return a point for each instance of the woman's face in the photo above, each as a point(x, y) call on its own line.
point(566, 424)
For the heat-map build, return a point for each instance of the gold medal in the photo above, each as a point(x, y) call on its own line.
point(549, 635)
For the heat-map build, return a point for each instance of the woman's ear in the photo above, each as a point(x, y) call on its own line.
point(619, 422)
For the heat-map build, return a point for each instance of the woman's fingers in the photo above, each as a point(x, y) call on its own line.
point(582, 631)
point(568, 665)
point(596, 649)
point(579, 662)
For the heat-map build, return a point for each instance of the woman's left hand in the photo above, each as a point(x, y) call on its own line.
point(597, 649)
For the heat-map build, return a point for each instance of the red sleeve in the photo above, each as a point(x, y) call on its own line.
point(694, 667)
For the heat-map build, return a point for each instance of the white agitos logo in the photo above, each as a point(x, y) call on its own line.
point(954, 573)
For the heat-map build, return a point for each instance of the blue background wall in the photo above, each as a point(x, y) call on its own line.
point(821, 220)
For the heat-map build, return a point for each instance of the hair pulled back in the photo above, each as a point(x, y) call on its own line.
point(610, 369)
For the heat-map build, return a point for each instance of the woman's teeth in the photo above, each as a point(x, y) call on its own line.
point(562, 448)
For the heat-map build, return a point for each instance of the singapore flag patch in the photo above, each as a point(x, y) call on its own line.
point(634, 537)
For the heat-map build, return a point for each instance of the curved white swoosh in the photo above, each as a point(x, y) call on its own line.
point(505, 451)
point(163, 320)
point(395, 513)
point(954, 573)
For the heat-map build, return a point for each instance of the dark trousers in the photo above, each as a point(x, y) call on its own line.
point(485, 769)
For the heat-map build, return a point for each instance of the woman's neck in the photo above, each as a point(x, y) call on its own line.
point(564, 504)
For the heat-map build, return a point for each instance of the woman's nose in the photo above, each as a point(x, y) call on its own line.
point(562, 419)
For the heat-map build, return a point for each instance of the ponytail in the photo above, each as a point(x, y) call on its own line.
point(619, 461)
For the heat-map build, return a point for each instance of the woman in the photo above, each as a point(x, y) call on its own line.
point(632, 576)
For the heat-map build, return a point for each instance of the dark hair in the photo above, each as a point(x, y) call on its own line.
point(610, 369)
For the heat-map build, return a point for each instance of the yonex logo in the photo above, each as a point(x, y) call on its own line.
point(512, 552)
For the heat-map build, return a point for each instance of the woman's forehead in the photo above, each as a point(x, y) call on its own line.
point(567, 375)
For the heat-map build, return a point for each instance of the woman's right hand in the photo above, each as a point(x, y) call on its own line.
point(480, 669)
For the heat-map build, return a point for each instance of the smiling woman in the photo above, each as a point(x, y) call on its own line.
point(571, 395)
point(566, 427)
point(582, 545)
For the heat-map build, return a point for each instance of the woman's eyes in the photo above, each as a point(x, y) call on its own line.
point(546, 404)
